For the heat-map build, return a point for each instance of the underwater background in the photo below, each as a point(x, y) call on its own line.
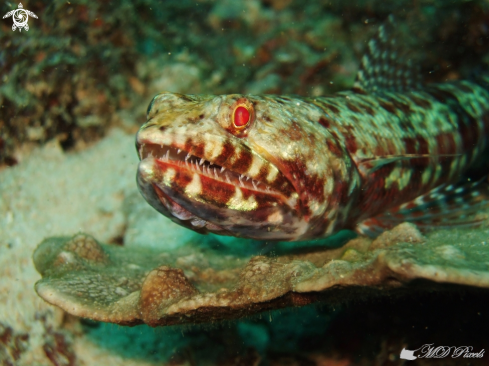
point(74, 90)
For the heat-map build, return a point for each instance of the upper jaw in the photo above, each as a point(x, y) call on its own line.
point(181, 159)
point(214, 156)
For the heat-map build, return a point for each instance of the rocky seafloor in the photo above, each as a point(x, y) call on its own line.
point(74, 90)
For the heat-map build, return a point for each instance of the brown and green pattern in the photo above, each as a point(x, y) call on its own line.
point(287, 168)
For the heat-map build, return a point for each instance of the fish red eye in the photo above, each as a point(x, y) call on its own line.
point(241, 116)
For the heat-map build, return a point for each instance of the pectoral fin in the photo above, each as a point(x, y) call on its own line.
point(447, 206)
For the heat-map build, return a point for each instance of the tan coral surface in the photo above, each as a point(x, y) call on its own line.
point(57, 193)
point(197, 284)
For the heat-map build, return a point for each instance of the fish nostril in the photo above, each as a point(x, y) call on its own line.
point(150, 105)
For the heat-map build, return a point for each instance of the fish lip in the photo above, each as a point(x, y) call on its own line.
point(193, 222)
point(183, 159)
point(163, 201)
point(169, 207)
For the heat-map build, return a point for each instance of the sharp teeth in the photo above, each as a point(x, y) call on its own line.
point(201, 161)
point(254, 184)
point(215, 174)
point(227, 179)
point(178, 151)
point(247, 178)
point(223, 169)
point(167, 154)
point(188, 156)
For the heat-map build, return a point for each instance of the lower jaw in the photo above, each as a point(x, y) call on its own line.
point(163, 203)
point(185, 217)
point(149, 177)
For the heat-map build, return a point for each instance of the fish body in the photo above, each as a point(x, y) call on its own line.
point(290, 168)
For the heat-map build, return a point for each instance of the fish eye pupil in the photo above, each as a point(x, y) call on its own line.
point(241, 116)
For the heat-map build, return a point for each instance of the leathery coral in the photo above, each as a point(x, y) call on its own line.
point(194, 284)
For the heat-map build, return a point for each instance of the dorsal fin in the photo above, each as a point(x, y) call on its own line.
point(386, 65)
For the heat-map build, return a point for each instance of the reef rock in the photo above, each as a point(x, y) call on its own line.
point(197, 284)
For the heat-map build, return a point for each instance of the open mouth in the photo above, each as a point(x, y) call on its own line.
point(184, 160)
point(222, 200)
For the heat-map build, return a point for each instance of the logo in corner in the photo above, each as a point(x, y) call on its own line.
point(20, 17)
point(408, 355)
point(431, 351)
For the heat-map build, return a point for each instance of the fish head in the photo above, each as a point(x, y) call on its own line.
point(229, 165)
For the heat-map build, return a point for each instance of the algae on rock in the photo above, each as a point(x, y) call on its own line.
point(197, 284)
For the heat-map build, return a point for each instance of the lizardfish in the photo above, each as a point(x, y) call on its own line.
point(289, 168)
